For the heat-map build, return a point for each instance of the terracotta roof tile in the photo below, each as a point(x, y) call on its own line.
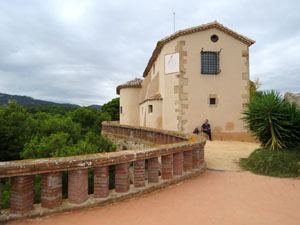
point(156, 96)
point(136, 83)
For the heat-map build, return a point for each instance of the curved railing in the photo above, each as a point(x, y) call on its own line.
point(174, 155)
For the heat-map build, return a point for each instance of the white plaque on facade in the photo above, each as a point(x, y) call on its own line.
point(172, 63)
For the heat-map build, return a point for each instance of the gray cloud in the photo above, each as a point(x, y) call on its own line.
point(79, 51)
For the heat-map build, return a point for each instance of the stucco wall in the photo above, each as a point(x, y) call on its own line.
point(153, 119)
point(130, 106)
point(143, 90)
point(153, 87)
point(230, 87)
point(166, 88)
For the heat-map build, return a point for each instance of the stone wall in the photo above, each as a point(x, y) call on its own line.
point(124, 143)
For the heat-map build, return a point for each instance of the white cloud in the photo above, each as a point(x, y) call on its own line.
point(79, 51)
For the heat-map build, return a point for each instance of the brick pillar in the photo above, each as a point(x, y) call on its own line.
point(139, 173)
point(165, 139)
point(170, 139)
point(21, 196)
point(173, 139)
point(187, 161)
point(144, 135)
point(148, 138)
point(178, 163)
point(161, 138)
point(154, 137)
point(167, 166)
point(196, 158)
point(138, 134)
point(101, 182)
point(51, 193)
point(122, 177)
point(78, 186)
point(158, 138)
point(201, 155)
point(153, 170)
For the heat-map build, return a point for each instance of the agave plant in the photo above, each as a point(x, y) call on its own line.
point(274, 121)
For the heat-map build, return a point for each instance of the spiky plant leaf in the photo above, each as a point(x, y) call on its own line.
point(275, 122)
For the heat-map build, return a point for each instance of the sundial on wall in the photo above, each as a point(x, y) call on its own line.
point(172, 63)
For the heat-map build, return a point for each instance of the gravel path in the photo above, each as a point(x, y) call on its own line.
point(226, 155)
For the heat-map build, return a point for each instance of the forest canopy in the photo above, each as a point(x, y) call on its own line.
point(53, 131)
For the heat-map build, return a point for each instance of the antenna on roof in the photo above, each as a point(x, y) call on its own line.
point(174, 20)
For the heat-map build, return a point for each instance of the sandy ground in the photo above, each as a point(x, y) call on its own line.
point(226, 155)
point(214, 198)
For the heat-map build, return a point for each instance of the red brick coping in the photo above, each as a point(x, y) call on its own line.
point(182, 157)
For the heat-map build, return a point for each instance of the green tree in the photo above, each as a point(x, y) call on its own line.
point(90, 119)
point(44, 124)
point(46, 146)
point(12, 126)
point(76, 133)
point(60, 145)
point(62, 110)
point(113, 109)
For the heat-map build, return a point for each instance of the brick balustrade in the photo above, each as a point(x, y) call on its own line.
point(51, 190)
point(101, 182)
point(21, 193)
point(181, 157)
point(139, 173)
point(153, 170)
point(178, 163)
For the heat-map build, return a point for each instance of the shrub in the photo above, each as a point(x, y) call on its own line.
point(274, 121)
point(273, 163)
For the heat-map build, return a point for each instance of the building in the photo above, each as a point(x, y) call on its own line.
point(194, 74)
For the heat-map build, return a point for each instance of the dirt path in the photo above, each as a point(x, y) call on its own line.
point(214, 198)
point(226, 155)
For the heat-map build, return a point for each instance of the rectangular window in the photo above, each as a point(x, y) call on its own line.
point(210, 62)
point(212, 101)
point(121, 109)
point(150, 108)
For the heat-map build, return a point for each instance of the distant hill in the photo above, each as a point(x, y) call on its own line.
point(29, 102)
point(96, 106)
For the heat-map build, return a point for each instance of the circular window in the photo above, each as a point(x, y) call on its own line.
point(214, 38)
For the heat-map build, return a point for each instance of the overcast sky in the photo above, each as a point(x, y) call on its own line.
point(78, 51)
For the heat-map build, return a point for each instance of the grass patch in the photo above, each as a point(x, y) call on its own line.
point(284, 163)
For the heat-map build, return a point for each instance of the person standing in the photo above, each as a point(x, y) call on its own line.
point(206, 129)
